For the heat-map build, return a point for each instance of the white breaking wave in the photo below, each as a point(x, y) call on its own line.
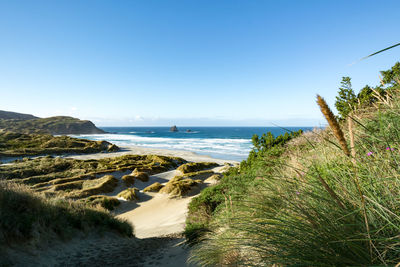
point(233, 148)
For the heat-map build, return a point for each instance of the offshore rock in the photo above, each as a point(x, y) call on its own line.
point(173, 129)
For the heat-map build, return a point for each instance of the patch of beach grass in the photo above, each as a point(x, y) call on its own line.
point(196, 166)
point(106, 202)
point(26, 216)
point(105, 184)
point(155, 187)
point(129, 194)
point(179, 186)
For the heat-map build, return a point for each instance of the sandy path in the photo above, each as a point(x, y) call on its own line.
point(108, 250)
point(158, 216)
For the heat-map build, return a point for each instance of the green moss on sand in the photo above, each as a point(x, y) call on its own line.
point(105, 184)
point(179, 186)
point(142, 176)
point(155, 187)
point(129, 194)
point(196, 166)
point(129, 180)
point(19, 144)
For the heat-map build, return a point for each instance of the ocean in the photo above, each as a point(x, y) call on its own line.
point(229, 143)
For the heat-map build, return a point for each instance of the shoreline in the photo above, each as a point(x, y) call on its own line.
point(138, 150)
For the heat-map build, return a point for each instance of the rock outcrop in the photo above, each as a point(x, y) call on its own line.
point(173, 129)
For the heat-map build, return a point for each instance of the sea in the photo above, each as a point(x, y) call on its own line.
point(228, 143)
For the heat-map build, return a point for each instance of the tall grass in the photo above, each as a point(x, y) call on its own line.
point(319, 207)
point(26, 216)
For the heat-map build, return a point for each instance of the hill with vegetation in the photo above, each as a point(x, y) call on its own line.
point(14, 144)
point(322, 198)
point(8, 115)
point(59, 125)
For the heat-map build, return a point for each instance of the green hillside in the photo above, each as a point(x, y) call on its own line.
point(52, 125)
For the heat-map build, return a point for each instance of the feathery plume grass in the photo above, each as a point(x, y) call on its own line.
point(333, 124)
point(352, 144)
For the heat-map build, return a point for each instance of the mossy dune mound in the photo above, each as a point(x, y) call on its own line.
point(105, 184)
point(196, 166)
point(106, 202)
point(179, 186)
point(49, 169)
point(142, 176)
point(21, 144)
point(129, 180)
point(129, 194)
point(74, 178)
point(155, 187)
point(200, 175)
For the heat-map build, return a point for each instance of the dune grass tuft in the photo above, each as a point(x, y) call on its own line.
point(129, 194)
point(155, 187)
point(105, 184)
point(142, 176)
point(196, 166)
point(179, 186)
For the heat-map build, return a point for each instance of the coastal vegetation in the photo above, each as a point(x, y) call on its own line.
point(196, 166)
point(322, 198)
point(27, 216)
point(76, 179)
point(15, 144)
point(155, 187)
point(129, 194)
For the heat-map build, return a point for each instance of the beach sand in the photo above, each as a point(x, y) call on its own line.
point(136, 150)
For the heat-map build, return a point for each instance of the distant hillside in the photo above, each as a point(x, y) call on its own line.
point(8, 115)
point(24, 123)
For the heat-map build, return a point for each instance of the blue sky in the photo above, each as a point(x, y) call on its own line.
point(242, 63)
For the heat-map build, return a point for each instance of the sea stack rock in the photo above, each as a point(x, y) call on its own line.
point(173, 129)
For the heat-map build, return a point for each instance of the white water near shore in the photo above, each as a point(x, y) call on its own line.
point(222, 148)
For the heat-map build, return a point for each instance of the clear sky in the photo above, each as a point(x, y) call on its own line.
point(194, 62)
